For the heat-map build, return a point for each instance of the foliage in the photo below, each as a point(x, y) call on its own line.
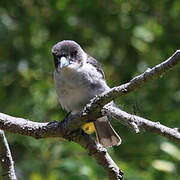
point(126, 37)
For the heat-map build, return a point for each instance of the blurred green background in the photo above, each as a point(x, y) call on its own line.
point(127, 37)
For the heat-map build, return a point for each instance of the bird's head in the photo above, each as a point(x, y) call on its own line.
point(68, 55)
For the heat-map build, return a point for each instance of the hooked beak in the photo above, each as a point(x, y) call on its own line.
point(63, 62)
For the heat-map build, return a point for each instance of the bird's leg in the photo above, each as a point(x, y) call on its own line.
point(54, 122)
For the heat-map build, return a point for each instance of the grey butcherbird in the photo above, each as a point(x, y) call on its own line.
point(78, 78)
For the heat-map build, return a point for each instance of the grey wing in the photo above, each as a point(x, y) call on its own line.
point(96, 64)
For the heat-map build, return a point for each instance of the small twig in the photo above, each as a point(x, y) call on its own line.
point(134, 126)
point(7, 162)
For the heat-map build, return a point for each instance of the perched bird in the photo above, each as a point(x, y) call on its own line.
point(78, 78)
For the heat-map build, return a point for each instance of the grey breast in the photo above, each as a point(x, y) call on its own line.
point(76, 88)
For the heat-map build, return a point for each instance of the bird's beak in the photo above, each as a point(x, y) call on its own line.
point(63, 62)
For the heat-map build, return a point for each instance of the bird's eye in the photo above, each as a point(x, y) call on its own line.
point(61, 55)
point(73, 54)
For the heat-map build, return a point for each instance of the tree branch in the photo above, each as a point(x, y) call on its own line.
point(98, 102)
point(7, 163)
point(55, 129)
point(142, 123)
point(100, 154)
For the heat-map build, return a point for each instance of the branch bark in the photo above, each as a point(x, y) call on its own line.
point(7, 162)
point(142, 123)
point(56, 129)
point(100, 154)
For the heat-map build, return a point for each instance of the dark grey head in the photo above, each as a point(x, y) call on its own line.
point(68, 53)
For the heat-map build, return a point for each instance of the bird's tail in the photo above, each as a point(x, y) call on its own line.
point(105, 133)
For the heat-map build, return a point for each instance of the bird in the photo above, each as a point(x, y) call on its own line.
point(78, 78)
